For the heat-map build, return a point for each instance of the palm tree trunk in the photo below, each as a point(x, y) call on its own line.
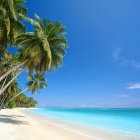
point(1, 106)
point(16, 96)
point(5, 87)
point(1, 102)
point(4, 82)
point(14, 68)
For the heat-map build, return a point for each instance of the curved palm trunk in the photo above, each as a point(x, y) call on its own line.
point(1, 106)
point(15, 96)
point(5, 87)
point(4, 82)
point(13, 69)
point(1, 102)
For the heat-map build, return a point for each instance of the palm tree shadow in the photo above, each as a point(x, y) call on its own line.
point(12, 119)
point(11, 116)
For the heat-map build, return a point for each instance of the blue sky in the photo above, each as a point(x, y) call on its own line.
point(102, 64)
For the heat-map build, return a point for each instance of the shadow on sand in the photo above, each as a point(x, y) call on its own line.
point(12, 119)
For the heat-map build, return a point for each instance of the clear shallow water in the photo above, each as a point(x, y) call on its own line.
point(121, 120)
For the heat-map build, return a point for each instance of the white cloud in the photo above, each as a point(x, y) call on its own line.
point(116, 53)
point(134, 86)
point(124, 61)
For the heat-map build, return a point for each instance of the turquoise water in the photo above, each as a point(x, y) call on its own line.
point(121, 120)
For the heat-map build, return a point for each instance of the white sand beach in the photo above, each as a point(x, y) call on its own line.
point(17, 125)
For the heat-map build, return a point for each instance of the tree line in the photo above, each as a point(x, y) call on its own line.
point(37, 52)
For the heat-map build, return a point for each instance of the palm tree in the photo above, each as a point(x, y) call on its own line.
point(11, 91)
point(36, 83)
point(44, 48)
point(10, 24)
point(24, 101)
point(41, 49)
point(10, 27)
point(7, 61)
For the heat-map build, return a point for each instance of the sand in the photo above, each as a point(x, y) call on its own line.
point(15, 124)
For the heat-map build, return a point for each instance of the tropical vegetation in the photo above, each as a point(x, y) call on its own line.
point(37, 52)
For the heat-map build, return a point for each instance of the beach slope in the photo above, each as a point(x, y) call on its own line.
point(17, 125)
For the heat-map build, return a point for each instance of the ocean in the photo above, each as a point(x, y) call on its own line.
point(117, 120)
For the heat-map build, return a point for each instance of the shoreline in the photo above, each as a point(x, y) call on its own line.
point(87, 131)
point(18, 124)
